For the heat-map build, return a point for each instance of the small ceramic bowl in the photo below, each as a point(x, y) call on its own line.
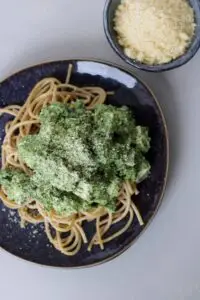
point(109, 11)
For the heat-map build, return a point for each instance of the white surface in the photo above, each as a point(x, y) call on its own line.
point(164, 264)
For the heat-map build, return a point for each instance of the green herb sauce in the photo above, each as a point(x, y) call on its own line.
point(79, 158)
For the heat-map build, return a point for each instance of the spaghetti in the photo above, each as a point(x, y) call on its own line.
point(66, 233)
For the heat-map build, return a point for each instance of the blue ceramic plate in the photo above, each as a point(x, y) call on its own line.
point(31, 243)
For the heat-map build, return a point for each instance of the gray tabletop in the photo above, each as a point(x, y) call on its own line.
point(164, 264)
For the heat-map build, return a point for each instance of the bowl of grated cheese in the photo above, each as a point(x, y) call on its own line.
point(153, 35)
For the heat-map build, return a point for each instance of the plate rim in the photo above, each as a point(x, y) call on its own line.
point(166, 135)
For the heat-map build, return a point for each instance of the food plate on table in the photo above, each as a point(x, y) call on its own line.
point(84, 162)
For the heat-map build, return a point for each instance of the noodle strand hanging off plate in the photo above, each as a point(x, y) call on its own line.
point(66, 233)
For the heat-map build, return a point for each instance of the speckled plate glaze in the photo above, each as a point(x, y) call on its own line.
point(31, 242)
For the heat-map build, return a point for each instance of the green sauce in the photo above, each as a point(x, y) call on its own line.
point(79, 158)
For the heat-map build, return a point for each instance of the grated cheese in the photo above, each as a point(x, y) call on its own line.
point(154, 31)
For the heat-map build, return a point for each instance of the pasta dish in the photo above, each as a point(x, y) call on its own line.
point(69, 159)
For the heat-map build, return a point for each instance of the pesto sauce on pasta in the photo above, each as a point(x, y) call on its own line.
point(80, 158)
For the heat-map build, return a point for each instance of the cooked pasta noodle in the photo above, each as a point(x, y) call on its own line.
point(66, 233)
